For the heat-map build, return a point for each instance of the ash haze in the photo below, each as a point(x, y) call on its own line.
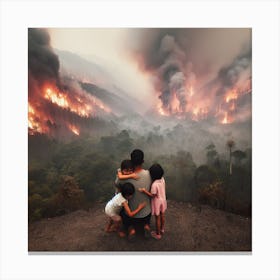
point(191, 86)
point(106, 47)
point(196, 72)
point(183, 96)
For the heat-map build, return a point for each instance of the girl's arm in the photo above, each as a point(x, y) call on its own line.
point(142, 190)
point(132, 213)
point(130, 176)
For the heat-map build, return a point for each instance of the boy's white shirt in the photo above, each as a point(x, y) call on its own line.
point(114, 206)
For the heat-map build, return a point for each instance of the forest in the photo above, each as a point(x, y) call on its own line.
point(64, 176)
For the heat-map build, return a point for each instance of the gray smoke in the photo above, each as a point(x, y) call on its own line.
point(43, 63)
point(211, 61)
point(230, 75)
point(172, 72)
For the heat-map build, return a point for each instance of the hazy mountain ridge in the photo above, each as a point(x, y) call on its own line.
point(193, 135)
point(119, 106)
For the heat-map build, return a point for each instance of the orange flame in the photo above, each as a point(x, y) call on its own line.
point(232, 95)
point(74, 129)
point(198, 103)
point(82, 104)
point(57, 98)
point(161, 111)
point(199, 113)
point(226, 119)
point(62, 100)
point(175, 104)
point(34, 123)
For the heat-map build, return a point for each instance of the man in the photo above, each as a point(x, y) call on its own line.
point(144, 181)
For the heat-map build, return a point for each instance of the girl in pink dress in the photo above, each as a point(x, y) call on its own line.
point(158, 203)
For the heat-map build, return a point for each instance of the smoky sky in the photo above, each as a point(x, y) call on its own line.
point(228, 76)
point(43, 63)
point(209, 59)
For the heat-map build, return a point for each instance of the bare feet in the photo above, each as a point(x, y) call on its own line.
point(108, 228)
point(122, 234)
point(111, 228)
point(147, 231)
point(131, 234)
point(155, 235)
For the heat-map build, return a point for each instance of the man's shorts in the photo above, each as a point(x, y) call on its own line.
point(130, 221)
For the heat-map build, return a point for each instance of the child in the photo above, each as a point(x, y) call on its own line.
point(126, 172)
point(114, 206)
point(158, 203)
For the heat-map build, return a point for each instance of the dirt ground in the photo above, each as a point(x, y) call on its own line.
point(188, 229)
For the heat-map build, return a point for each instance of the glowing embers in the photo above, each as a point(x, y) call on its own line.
point(232, 95)
point(175, 104)
point(199, 113)
point(230, 99)
point(75, 104)
point(227, 118)
point(74, 129)
point(57, 98)
point(34, 121)
point(161, 111)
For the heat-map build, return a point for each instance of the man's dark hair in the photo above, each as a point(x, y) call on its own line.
point(137, 157)
point(156, 172)
point(127, 189)
point(127, 164)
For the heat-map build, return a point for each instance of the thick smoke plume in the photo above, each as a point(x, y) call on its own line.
point(171, 73)
point(199, 73)
point(43, 63)
point(57, 105)
point(230, 76)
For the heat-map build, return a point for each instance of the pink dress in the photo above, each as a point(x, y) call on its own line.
point(158, 203)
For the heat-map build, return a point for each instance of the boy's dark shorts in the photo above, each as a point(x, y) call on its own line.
point(130, 221)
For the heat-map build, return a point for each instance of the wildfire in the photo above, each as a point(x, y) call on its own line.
point(226, 119)
point(232, 95)
point(34, 124)
point(175, 104)
point(57, 98)
point(161, 111)
point(41, 120)
point(74, 129)
point(75, 105)
point(199, 113)
point(198, 105)
point(195, 111)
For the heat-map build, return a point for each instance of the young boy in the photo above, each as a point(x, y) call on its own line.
point(114, 206)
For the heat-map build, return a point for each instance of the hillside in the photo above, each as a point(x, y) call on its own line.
point(188, 228)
